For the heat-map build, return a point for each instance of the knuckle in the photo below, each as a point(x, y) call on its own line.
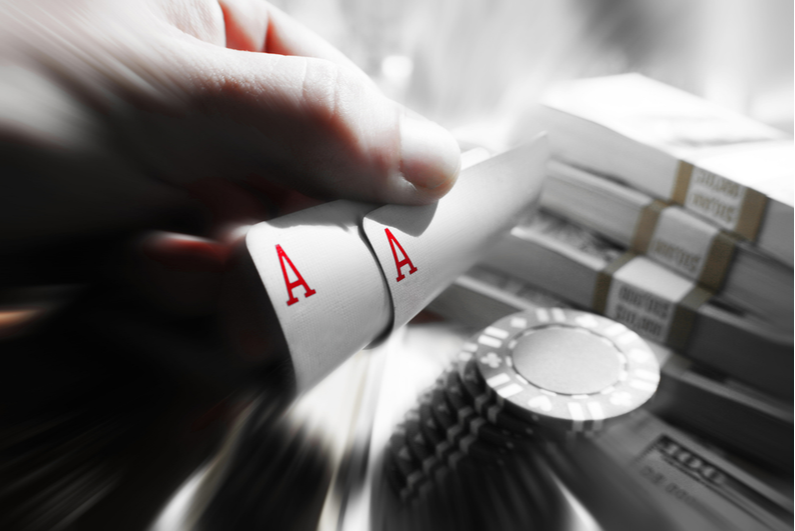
point(328, 90)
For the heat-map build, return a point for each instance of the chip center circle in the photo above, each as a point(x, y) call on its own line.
point(566, 360)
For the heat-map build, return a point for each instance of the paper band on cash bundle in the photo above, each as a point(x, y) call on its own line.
point(684, 243)
point(663, 311)
point(729, 205)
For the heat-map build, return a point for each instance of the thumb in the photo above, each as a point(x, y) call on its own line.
point(312, 124)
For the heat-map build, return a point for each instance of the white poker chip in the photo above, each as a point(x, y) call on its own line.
point(566, 369)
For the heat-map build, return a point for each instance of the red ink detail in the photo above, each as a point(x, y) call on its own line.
point(399, 263)
point(308, 292)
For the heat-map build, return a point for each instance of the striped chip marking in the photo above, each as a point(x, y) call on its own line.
point(614, 329)
point(646, 374)
point(541, 402)
point(403, 453)
point(636, 382)
point(577, 415)
point(587, 320)
point(518, 322)
point(414, 478)
point(475, 425)
point(492, 413)
point(510, 390)
point(489, 341)
point(576, 411)
point(492, 360)
point(643, 386)
point(481, 401)
point(639, 355)
point(595, 408)
point(466, 442)
point(626, 338)
point(496, 381)
point(453, 431)
point(496, 332)
point(465, 413)
point(454, 459)
point(441, 449)
point(429, 464)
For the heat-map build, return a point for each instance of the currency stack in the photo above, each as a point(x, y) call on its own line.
point(671, 215)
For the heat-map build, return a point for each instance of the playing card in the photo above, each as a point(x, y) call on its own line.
point(324, 284)
point(423, 249)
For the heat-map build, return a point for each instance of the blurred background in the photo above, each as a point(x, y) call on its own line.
point(482, 61)
point(230, 460)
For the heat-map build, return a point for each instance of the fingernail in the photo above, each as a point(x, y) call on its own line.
point(430, 157)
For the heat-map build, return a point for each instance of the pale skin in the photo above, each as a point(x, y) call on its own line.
point(114, 115)
point(110, 110)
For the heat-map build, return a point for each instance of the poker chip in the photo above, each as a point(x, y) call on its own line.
point(403, 459)
point(434, 436)
point(529, 375)
point(458, 399)
point(485, 404)
point(562, 369)
point(442, 411)
point(393, 475)
point(398, 468)
point(471, 382)
point(416, 443)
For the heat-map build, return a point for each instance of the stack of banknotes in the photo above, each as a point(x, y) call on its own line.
point(671, 215)
point(674, 217)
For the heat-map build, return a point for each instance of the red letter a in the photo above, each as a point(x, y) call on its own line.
point(399, 263)
point(292, 285)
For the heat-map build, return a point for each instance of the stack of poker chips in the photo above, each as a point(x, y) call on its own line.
point(471, 454)
point(691, 396)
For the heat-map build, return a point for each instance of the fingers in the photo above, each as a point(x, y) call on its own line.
point(286, 36)
point(246, 23)
point(181, 252)
point(256, 26)
point(177, 274)
point(316, 125)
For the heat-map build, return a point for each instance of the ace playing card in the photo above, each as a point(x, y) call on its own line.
point(423, 249)
point(324, 284)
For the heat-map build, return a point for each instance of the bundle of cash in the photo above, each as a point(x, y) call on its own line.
point(738, 274)
point(660, 305)
point(689, 395)
point(733, 172)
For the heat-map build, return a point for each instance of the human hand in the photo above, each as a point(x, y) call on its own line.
point(114, 113)
point(110, 110)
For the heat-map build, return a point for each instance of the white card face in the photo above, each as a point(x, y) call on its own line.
point(423, 249)
point(324, 284)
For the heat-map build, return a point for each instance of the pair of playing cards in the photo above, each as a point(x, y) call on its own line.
point(342, 275)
